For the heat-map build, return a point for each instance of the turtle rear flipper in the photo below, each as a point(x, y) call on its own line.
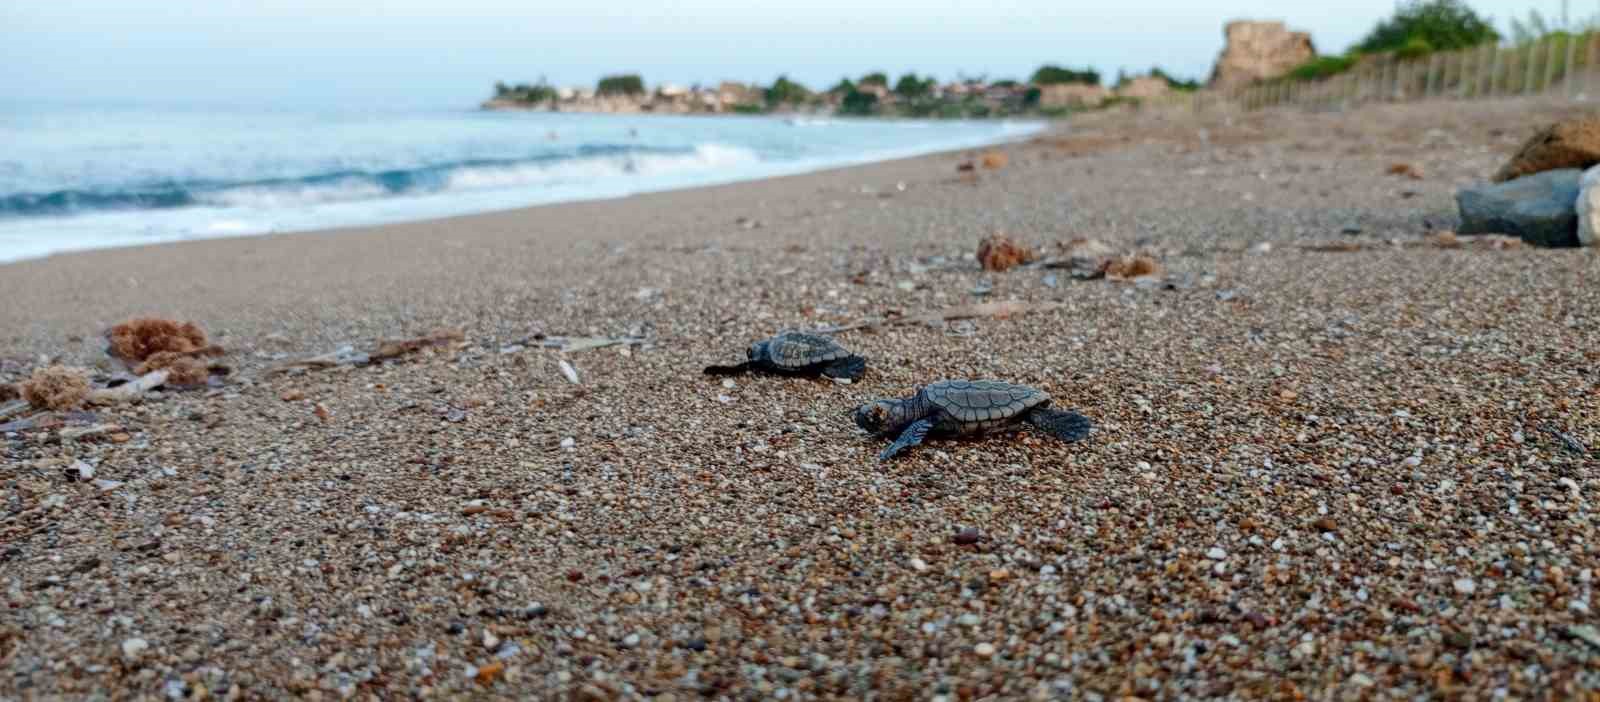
point(1066, 426)
point(728, 370)
point(850, 368)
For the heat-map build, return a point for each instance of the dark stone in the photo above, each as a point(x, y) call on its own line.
point(1541, 209)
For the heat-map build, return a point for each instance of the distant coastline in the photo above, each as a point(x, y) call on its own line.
point(1051, 91)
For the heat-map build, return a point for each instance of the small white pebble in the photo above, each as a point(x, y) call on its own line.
point(1413, 461)
point(984, 650)
point(1216, 553)
point(917, 564)
point(729, 384)
point(630, 641)
point(568, 443)
point(133, 649)
point(1466, 586)
point(1579, 606)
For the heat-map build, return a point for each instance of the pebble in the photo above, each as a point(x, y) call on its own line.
point(134, 649)
point(967, 537)
point(984, 650)
point(917, 564)
point(1466, 586)
point(1216, 553)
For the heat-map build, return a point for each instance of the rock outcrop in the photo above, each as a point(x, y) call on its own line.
point(1259, 51)
point(1574, 143)
point(1589, 208)
point(1541, 209)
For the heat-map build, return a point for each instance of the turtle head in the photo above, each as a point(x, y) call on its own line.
point(758, 350)
point(879, 416)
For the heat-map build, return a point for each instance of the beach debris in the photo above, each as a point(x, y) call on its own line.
point(1541, 209)
point(14, 407)
point(995, 160)
point(1081, 257)
point(56, 388)
point(1404, 169)
point(387, 349)
point(966, 167)
point(570, 372)
point(983, 287)
point(395, 348)
point(130, 390)
point(574, 344)
point(1132, 267)
point(798, 353)
point(183, 369)
point(1573, 143)
point(748, 223)
point(997, 252)
point(138, 340)
point(9, 392)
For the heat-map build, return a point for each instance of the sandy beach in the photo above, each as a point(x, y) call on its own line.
point(1332, 458)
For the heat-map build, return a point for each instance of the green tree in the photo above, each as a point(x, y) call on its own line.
point(878, 78)
point(625, 84)
point(843, 87)
point(910, 86)
point(1055, 75)
point(1174, 83)
point(857, 103)
point(786, 92)
point(1439, 25)
point(500, 89)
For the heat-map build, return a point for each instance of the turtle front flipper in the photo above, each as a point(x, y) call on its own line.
point(1066, 426)
point(912, 436)
point(848, 368)
point(728, 370)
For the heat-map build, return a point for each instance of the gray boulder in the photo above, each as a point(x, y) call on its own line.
point(1540, 208)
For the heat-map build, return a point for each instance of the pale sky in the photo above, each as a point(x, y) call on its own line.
point(449, 53)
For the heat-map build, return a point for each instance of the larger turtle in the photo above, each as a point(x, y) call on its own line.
point(798, 353)
point(966, 408)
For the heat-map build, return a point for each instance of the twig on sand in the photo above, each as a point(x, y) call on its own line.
point(130, 390)
point(14, 407)
point(998, 310)
point(574, 344)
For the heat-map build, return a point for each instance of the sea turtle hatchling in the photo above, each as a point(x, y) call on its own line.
point(799, 353)
point(966, 408)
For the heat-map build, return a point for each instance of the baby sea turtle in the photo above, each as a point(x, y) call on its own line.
point(966, 408)
point(799, 353)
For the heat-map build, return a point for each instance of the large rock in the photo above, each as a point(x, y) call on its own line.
point(1589, 208)
point(1539, 208)
point(1574, 143)
point(1259, 51)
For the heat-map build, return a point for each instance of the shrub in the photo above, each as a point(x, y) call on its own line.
point(1444, 25)
point(1322, 67)
point(879, 78)
point(1055, 75)
point(627, 84)
point(910, 86)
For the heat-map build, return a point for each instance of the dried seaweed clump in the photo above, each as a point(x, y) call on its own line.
point(995, 160)
point(1130, 267)
point(395, 348)
point(56, 388)
point(138, 340)
point(9, 392)
point(998, 253)
point(182, 369)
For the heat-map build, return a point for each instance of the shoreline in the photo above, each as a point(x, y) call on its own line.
point(408, 208)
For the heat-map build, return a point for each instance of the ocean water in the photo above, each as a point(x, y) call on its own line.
point(75, 178)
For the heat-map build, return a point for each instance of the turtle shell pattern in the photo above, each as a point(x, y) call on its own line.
point(978, 406)
point(797, 351)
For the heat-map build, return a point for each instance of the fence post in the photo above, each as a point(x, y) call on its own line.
point(1568, 67)
point(1550, 62)
point(1494, 65)
point(1433, 75)
point(1527, 79)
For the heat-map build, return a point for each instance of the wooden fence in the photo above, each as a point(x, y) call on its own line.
point(1558, 65)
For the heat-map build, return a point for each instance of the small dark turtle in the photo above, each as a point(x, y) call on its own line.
point(799, 353)
point(965, 408)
